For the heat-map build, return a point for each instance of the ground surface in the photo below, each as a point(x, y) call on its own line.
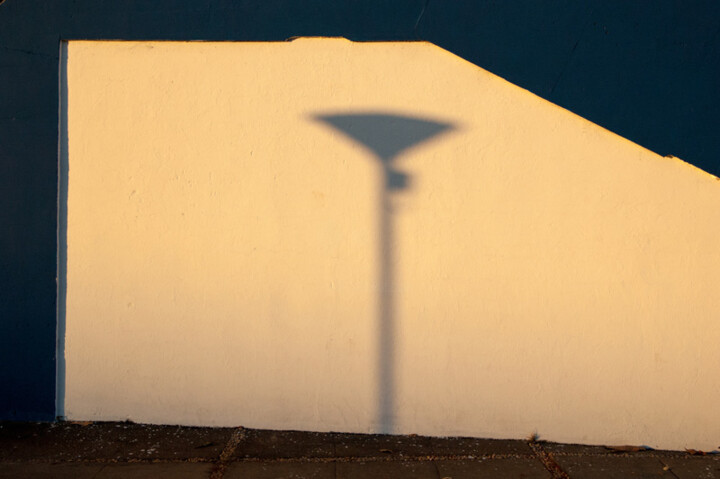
point(110, 450)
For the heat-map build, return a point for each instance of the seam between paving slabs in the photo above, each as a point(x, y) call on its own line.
point(226, 455)
point(548, 461)
point(666, 467)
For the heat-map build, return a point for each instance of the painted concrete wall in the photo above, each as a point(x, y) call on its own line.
point(647, 73)
point(329, 235)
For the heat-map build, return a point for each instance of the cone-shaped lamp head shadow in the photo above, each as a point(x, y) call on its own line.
point(386, 135)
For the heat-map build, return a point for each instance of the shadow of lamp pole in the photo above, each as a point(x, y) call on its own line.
point(386, 136)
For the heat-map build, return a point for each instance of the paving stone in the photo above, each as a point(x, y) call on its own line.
point(55, 442)
point(182, 470)
point(280, 470)
point(492, 468)
point(575, 449)
point(56, 451)
point(705, 467)
point(466, 446)
point(284, 444)
point(387, 470)
point(380, 445)
point(49, 471)
point(612, 467)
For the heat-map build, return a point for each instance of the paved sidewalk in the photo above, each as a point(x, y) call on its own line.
point(126, 450)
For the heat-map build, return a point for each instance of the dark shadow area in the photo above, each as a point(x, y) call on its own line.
point(386, 136)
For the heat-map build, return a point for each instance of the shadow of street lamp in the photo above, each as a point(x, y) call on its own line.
point(386, 136)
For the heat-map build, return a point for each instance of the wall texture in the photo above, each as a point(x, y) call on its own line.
point(329, 235)
point(646, 73)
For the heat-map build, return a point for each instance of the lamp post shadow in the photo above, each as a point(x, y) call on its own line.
point(386, 136)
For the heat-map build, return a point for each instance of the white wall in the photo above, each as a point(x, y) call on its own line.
point(225, 252)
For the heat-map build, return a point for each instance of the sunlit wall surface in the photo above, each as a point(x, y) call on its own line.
point(375, 237)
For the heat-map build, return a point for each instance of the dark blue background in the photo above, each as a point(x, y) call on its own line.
point(646, 70)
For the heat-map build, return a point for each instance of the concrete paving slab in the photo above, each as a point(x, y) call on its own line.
point(613, 467)
point(91, 450)
point(49, 471)
point(704, 467)
point(156, 471)
point(280, 470)
point(493, 468)
point(575, 449)
point(54, 442)
point(467, 446)
point(387, 470)
point(381, 445)
point(283, 444)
